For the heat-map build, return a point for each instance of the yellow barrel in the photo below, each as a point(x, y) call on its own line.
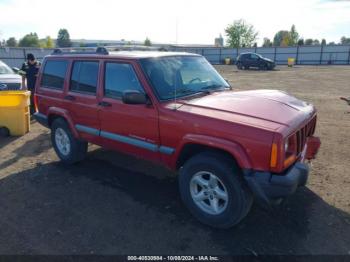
point(14, 111)
point(291, 62)
point(227, 61)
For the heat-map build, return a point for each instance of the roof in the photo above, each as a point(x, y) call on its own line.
point(125, 54)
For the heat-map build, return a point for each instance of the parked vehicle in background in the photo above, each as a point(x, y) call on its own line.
point(248, 60)
point(175, 109)
point(9, 79)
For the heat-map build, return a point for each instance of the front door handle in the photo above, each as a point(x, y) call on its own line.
point(69, 97)
point(104, 104)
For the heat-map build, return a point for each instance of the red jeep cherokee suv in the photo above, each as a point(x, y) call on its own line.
point(175, 109)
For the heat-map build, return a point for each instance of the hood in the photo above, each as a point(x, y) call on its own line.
point(10, 78)
point(270, 109)
point(268, 60)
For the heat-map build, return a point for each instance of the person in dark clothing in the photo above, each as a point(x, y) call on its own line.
point(29, 71)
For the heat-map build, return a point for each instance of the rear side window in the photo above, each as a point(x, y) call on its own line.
point(54, 73)
point(84, 77)
point(119, 78)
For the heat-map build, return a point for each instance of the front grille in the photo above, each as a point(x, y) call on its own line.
point(10, 86)
point(304, 133)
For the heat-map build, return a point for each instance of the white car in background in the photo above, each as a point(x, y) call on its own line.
point(9, 79)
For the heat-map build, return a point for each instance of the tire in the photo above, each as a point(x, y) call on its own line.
point(69, 149)
point(246, 67)
point(229, 180)
point(4, 131)
point(239, 66)
point(263, 67)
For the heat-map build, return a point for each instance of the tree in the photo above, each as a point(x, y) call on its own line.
point(49, 42)
point(345, 41)
point(301, 41)
point(240, 34)
point(294, 36)
point(309, 41)
point(286, 41)
point(267, 42)
point(280, 37)
point(147, 42)
point(331, 43)
point(316, 42)
point(29, 40)
point(63, 38)
point(11, 42)
point(255, 44)
point(323, 42)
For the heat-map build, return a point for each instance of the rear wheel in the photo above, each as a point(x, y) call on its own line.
point(69, 149)
point(212, 189)
point(239, 65)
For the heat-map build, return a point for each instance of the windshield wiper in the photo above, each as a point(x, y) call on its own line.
point(214, 87)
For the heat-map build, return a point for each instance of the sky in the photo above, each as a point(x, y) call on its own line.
point(172, 21)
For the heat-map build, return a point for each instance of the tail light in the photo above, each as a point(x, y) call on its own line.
point(35, 102)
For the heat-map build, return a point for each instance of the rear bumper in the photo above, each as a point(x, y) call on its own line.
point(268, 187)
point(41, 118)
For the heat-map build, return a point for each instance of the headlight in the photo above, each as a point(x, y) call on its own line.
point(286, 146)
point(290, 150)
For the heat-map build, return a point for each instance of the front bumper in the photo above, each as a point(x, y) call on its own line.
point(268, 187)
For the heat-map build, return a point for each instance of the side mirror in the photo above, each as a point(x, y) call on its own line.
point(15, 69)
point(226, 80)
point(134, 98)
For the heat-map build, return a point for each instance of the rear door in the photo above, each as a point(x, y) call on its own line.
point(128, 128)
point(50, 90)
point(81, 95)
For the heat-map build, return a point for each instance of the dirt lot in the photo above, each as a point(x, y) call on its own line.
point(114, 204)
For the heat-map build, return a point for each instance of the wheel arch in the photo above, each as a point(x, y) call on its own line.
point(54, 113)
point(195, 144)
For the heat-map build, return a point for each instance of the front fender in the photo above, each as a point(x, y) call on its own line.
point(235, 149)
point(56, 111)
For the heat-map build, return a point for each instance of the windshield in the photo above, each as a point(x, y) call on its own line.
point(182, 76)
point(4, 69)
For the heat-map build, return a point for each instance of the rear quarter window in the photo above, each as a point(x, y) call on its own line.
point(54, 73)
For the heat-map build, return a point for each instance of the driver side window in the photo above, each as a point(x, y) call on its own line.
point(119, 78)
point(254, 57)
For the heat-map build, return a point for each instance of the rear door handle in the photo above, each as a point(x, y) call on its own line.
point(70, 98)
point(104, 104)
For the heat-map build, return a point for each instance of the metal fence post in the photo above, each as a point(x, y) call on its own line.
point(274, 58)
point(349, 56)
point(321, 54)
point(220, 56)
point(297, 56)
point(24, 54)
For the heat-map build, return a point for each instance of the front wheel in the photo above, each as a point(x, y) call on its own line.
point(69, 149)
point(263, 67)
point(212, 189)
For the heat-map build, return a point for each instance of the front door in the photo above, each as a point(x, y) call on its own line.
point(128, 128)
